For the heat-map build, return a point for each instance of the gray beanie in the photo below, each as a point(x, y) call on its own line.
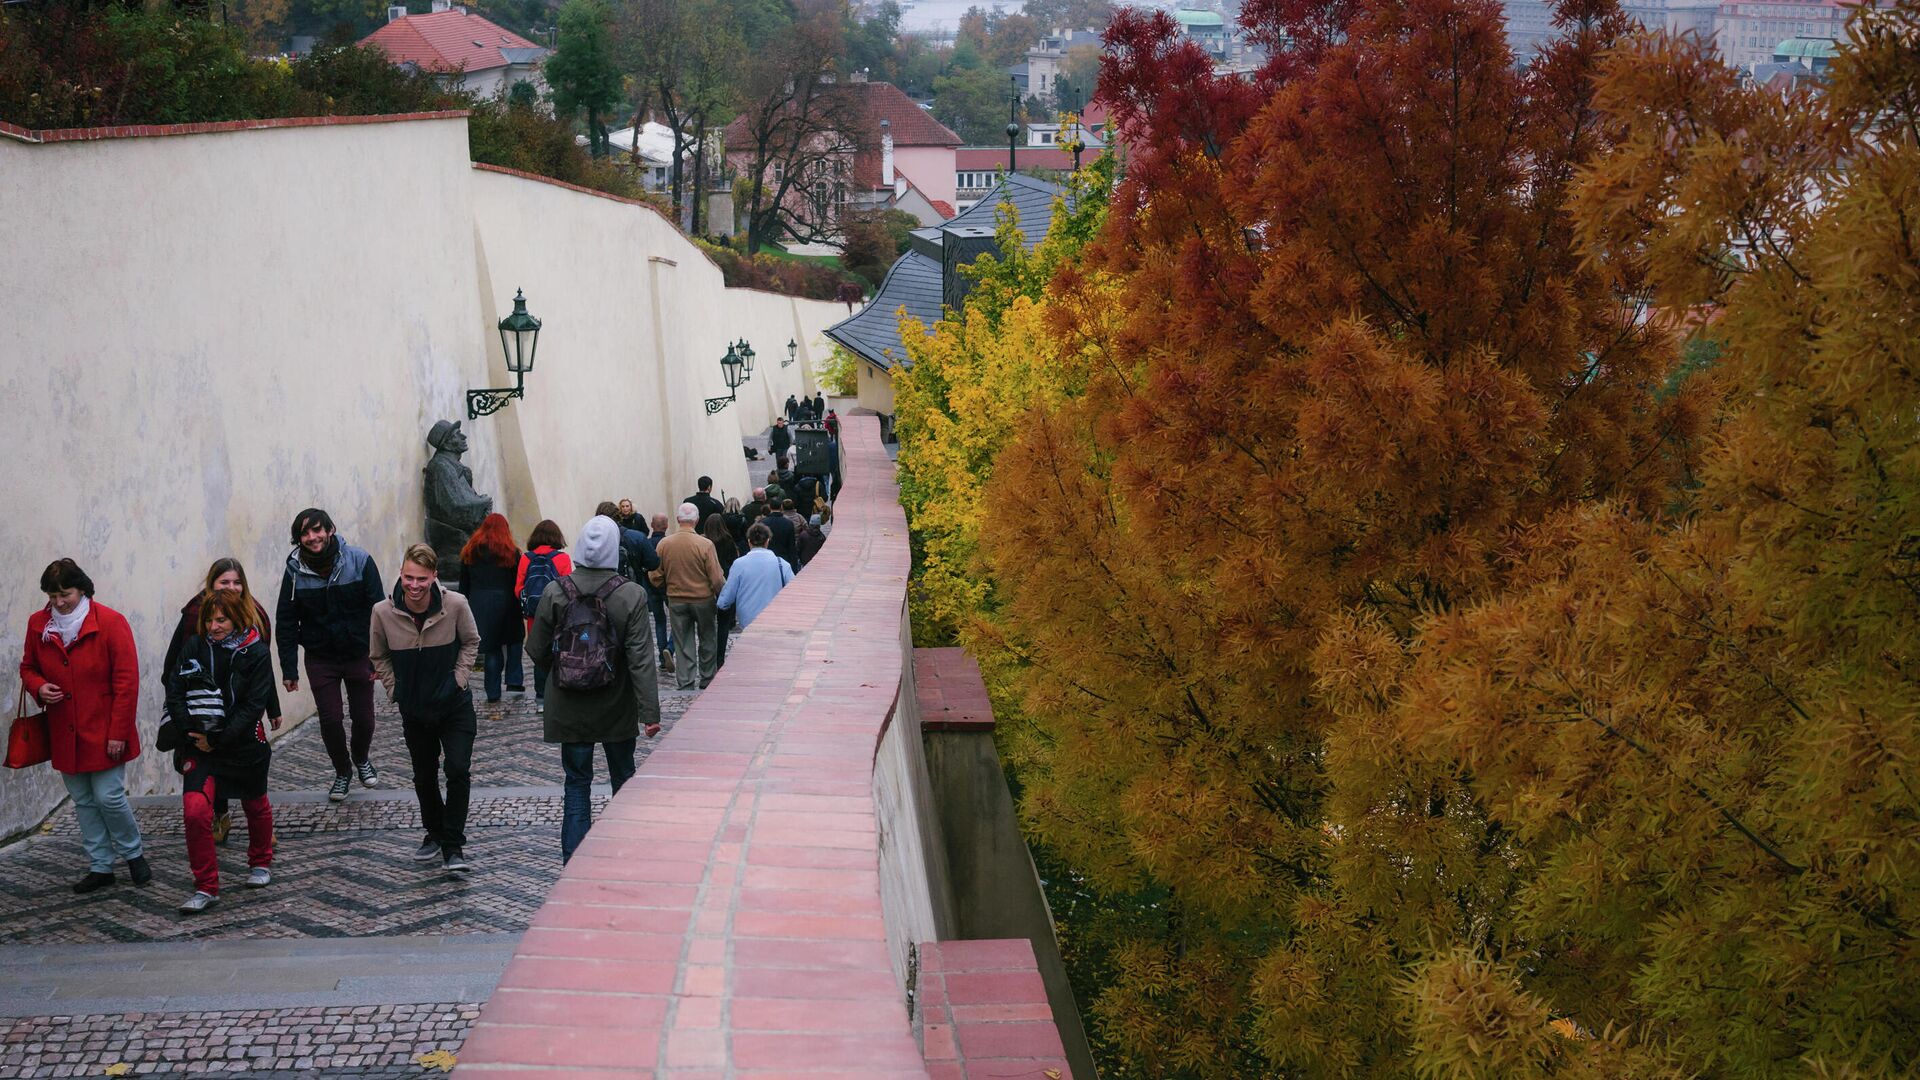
point(599, 544)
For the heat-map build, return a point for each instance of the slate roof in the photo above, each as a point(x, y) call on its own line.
point(1031, 196)
point(873, 332)
point(452, 41)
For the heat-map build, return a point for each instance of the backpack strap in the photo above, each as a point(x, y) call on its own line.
point(608, 589)
point(567, 586)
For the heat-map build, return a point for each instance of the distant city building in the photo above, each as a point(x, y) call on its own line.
point(1208, 29)
point(463, 49)
point(978, 170)
point(1747, 31)
point(1038, 75)
point(1747, 34)
point(900, 157)
point(655, 157)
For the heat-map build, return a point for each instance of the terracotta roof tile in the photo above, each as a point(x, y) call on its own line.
point(447, 41)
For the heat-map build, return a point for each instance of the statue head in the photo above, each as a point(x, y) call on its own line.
point(446, 435)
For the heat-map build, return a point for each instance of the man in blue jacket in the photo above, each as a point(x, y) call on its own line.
point(326, 606)
point(756, 578)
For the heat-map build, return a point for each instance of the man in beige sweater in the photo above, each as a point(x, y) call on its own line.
point(690, 574)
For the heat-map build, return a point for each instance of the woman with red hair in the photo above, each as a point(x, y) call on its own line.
point(489, 565)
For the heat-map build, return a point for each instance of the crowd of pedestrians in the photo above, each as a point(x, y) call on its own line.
point(600, 623)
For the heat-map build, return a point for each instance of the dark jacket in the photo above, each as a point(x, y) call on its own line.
point(183, 631)
point(425, 662)
point(779, 439)
point(490, 590)
point(244, 679)
point(707, 505)
point(783, 543)
point(611, 713)
point(640, 551)
point(326, 616)
point(737, 528)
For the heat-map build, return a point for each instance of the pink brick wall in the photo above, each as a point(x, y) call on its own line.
point(723, 918)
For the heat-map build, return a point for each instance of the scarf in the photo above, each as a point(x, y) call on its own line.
point(236, 641)
point(322, 563)
point(66, 626)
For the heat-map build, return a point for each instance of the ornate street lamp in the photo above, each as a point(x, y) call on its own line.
point(519, 337)
point(793, 349)
point(730, 366)
point(746, 355)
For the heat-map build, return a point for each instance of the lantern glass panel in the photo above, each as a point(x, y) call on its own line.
point(730, 365)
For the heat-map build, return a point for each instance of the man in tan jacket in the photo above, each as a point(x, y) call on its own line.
point(423, 642)
point(690, 573)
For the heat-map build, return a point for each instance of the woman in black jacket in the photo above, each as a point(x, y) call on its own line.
point(489, 567)
point(217, 695)
point(225, 575)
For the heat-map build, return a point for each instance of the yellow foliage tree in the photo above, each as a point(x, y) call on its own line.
point(1698, 743)
point(964, 396)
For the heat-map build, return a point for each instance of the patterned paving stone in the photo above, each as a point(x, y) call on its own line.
point(328, 884)
point(507, 752)
point(160, 816)
point(340, 870)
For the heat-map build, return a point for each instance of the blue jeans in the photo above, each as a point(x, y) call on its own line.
point(106, 820)
point(657, 605)
point(512, 659)
point(577, 759)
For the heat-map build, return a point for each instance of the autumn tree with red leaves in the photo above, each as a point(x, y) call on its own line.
point(1359, 354)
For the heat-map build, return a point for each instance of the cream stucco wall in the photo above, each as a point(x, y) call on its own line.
point(212, 331)
point(875, 388)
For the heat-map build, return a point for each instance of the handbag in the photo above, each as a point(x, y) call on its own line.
point(28, 743)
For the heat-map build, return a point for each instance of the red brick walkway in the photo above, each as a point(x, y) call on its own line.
point(724, 916)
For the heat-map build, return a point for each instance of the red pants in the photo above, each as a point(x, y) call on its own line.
point(197, 801)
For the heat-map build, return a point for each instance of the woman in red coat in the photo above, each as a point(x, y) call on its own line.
point(80, 664)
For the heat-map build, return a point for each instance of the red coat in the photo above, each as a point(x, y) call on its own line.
point(101, 675)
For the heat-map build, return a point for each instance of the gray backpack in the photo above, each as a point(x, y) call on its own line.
point(585, 648)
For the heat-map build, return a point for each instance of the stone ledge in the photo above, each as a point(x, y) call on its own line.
point(145, 131)
point(950, 691)
point(984, 1012)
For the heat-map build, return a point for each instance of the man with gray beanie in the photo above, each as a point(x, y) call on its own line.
point(594, 615)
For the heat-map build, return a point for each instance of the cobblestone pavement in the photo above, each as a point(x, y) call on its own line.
point(340, 871)
point(507, 751)
point(370, 1041)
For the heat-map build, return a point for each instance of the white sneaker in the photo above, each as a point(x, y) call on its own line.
point(259, 877)
point(198, 903)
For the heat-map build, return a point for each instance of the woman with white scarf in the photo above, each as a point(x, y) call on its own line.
point(81, 666)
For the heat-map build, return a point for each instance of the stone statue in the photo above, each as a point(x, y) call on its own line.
point(454, 509)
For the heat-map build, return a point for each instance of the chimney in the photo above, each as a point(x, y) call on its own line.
point(396, 11)
point(858, 76)
point(442, 5)
point(886, 152)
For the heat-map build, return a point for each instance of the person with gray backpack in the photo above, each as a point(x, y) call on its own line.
point(592, 638)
